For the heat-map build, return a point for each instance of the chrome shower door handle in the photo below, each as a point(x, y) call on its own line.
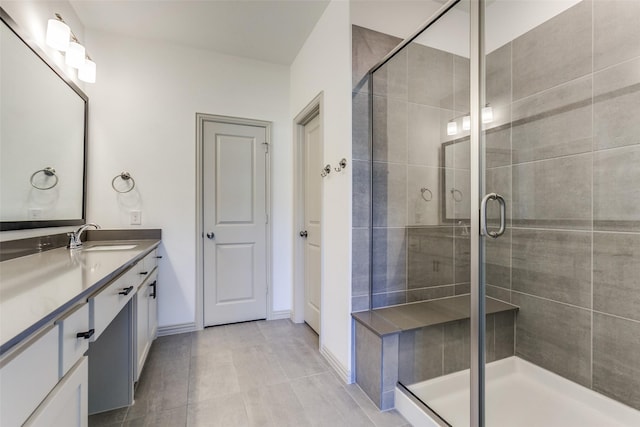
point(484, 230)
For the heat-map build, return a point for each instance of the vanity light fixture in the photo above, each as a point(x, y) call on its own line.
point(466, 123)
point(75, 54)
point(87, 72)
point(487, 114)
point(60, 37)
point(452, 127)
point(58, 34)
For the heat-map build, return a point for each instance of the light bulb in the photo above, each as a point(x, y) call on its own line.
point(452, 128)
point(487, 114)
point(75, 55)
point(87, 73)
point(466, 123)
point(58, 34)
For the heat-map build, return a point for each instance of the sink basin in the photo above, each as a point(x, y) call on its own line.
point(110, 248)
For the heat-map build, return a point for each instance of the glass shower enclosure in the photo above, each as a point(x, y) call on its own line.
point(505, 211)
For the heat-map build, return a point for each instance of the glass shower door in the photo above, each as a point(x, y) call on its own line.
point(562, 80)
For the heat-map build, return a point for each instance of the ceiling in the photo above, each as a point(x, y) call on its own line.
point(266, 30)
point(399, 18)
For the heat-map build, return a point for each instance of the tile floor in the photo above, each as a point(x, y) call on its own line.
point(248, 374)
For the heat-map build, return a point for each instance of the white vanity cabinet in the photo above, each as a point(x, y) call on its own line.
point(146, 312)
point(146, 320)
point(66, 405)
point(86, 358)
point(45, 381)
point(124, 316)
point(27, 375)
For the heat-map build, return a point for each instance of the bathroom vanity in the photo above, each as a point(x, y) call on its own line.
point(75, 328)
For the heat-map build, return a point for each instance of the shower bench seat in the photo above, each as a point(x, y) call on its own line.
point(418, 341)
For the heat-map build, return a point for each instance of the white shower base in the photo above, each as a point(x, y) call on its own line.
point(518, 393)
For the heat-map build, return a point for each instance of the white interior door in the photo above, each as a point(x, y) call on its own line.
point(312, 214)
point(234, 223)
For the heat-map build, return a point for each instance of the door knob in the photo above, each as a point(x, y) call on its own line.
point(210, 235)
point(304, 234)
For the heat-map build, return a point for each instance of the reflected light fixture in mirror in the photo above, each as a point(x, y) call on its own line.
point(452, 128)
point(452, 125)
point(60, 37)
point(466, 123)
point(487, 114)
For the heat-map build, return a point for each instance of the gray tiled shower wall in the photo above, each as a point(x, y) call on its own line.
point(415, 256)
point(564, 150)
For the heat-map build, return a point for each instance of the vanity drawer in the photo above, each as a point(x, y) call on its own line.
point(106, 304)
point(27, 377)
point(148, 263)
point(72, 346)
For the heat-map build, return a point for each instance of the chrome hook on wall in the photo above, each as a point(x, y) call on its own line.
point(341, 165)
point(326, 170)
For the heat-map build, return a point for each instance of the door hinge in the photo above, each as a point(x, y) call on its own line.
point(266, 147)
point(266, 218)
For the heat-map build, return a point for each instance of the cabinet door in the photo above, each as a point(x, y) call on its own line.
point(67, 404)
point(142, 328)
point(27, 378)
point(153, 309)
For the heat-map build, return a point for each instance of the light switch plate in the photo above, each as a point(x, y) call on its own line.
point(136, 217)
point(35, 213)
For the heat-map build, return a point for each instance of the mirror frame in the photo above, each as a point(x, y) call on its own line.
point(443, 181)
point(32, 45)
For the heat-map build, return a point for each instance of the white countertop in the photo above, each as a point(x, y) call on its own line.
point(38, 288)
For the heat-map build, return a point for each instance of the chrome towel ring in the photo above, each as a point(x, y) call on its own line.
point(456, 194)
point(125, 176)
point(425, 190)
point(48, 171)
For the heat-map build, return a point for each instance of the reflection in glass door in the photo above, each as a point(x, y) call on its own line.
point(563, 81)
point(506, 212)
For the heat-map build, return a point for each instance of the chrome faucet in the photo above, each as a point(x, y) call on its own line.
point(74, 237)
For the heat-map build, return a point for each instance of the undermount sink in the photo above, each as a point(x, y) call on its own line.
point(110, 248)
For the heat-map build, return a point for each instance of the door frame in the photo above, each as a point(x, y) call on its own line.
point(313, 108)
point(201, 118)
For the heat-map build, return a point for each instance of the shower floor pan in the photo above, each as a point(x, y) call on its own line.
point(518, 394)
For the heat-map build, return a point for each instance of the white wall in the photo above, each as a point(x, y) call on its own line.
point(143, 120)
point(324, 65)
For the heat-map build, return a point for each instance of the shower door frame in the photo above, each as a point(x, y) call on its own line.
point(477, 186)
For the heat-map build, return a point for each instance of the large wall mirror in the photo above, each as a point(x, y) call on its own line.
point(43, 137)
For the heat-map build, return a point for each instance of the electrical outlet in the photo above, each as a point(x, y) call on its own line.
point(136, 217)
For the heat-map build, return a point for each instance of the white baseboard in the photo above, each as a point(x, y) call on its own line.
point(280, 314)
point(343, 373)
point(180, 328)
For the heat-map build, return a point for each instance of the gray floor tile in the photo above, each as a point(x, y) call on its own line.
point(257, 366)
point(223, 411)
point(176, 417)
point(381, 419)
point(275, 406)
point(212, 376)
point(327, 402)
point(109, 418)
point(250, 374)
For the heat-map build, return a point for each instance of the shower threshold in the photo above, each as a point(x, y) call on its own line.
point(518, 394)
